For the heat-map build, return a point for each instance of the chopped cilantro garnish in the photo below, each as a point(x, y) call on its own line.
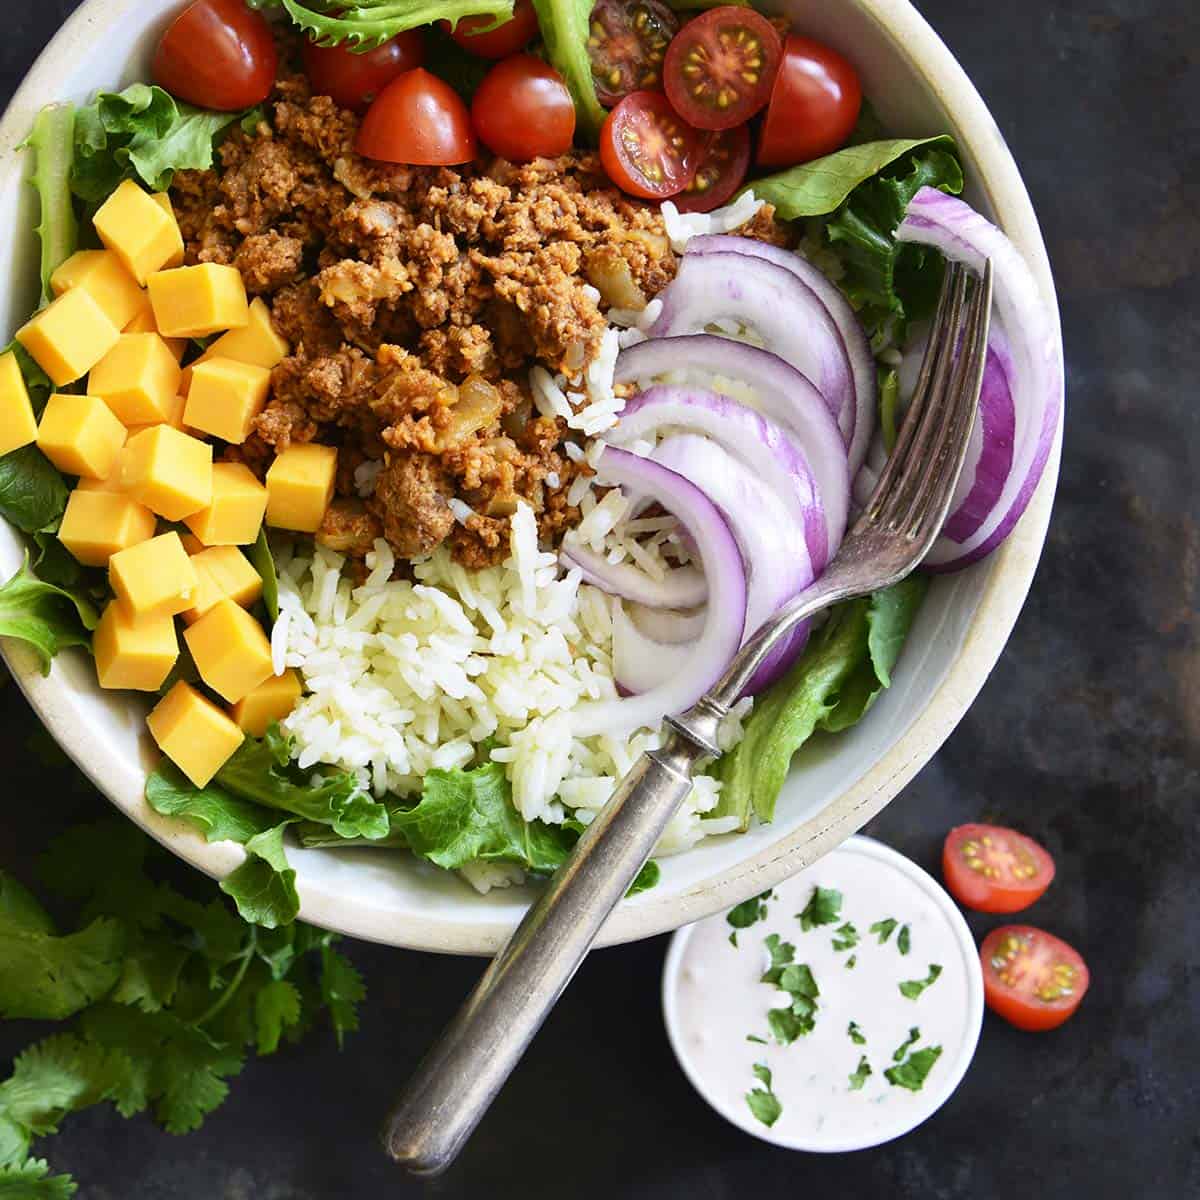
point(782, 953)
point(860, 1075)
point(823, 908)
point(787, 1024)
point(855, 1034)
point(743, 915)
point(852, 962)
point(763, 1102)
point(910, 989)
point(904, 940)
point(753, 1037)
point(733, 939)
point(914, 1036)
point(914, 1070)
point(884, 928)
point(845, 937)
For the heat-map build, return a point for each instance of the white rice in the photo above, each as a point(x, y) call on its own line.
point(366, 474)
point(682, 227)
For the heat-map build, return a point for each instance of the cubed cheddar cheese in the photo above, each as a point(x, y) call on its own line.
point(69, 337)
point(268, 703)
point(98, 524)
point(138, 379)
point(191, 543)
point(170, 472)
point(225, 397)
point(18, 425)
point(198, 301)
point(80, 435)
point(102, 274)
point(193, 733)
point(257, 343)
point(299, 487)
point(114, 482)
point(164, 202)
point(230, 650)
point(134, 652)
point(137, 230)
point(155, 578)
point(143, 322)
point(222, 573)
point(235, 515)
point(173, 418)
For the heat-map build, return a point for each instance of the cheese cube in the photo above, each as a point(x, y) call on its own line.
point(191, 543)
point(174, 418)
point(138, 379)
point(230, 650)
point(97, 524)
point(69, 337)
point(137, 230)
point(18, 425)
point(143, 322)
point(235, 515)
point(80, 435)
point(154, 578)
point(197, 301)
point(134, 652)
point(115, 482)
point(164, 202)
point(169, 472)
point(225, 397)
point(268, 703)
point(300, 486)
point(193, 733)
point(257, 344)
point(102, 274)
point(222, 573)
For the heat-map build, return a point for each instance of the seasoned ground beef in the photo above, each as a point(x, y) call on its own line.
point(415, 300)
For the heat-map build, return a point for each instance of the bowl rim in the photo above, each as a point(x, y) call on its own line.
point(1010, 574)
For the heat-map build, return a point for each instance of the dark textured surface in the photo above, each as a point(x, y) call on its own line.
point(1087, 736)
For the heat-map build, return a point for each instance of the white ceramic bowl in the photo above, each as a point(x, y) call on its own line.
point(917, 88)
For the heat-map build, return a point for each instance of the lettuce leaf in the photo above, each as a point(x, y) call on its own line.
point(46, 617)
point(365, 24)
point(565, 30)
point(845, 666)
point(52, 142)
point(263, 562)
point(264, 886)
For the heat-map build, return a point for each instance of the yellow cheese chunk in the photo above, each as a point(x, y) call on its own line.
point(268, 703)
point(102, 274)
point(230, 650)
point(115, 482)
point(191, 543)
point(138, 379)
point(18, 425)
point(154, 578)
point(98, 524)
point(235, 515)
point(223, 573)
point(144, 322)
point(80, 435)
point(225, 397)
point(193, 733)
point(300, 486)
point(137, 230)
point(257, 344)
point(134, 652)
point(164, 202)
point(69, 337)
point(174, 418)
point(171, 473)
point(197, 301)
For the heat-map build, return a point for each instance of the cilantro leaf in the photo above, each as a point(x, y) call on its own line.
point(150, 971)
point(855, 1034)
point(276, 1008)
point(823, 908)
point(743, 915)
point(845, 937)
point(884, 928)
point(860, 1074)
point(913, 1072)
point(914, 1036)
point(763, 1102)
point(753, 1037)
point(781, 953)
point(264, 886)
point(342, 990)
point(910, 989)
point(852, 962)
point(31, 1180)
point(904, 940)
point(786, 1026)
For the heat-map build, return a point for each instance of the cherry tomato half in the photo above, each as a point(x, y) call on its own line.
point(646, 149)
point(354, 80)
point(1032, 979)
point(995, 870)
point(720, 171)
point(719, 69)
point(514, 34)
point(627, 43)
point(522, 110)
point(217, 54)
point(814, 105)
point(418, 119)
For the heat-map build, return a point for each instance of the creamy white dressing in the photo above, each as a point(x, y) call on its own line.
point(714, 998)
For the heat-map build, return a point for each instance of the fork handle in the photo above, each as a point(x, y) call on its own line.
point(458, 1079)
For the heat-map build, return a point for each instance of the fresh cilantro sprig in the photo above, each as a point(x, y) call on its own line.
point(845, 937)
point(884, 929)
point(855, 1034)
point(763, 1102)
point(910, 989)
point(914, 1070)
point(861, 1074)
point(824, 907)
point(799, 1017)
point(914, 1036)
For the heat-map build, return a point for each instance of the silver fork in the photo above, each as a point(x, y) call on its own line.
point(456, 1082)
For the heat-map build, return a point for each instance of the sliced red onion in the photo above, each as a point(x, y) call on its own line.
point(772, 301)
point(726, 613)
point(849, 327)
point(780, 393)
point(669, 625)
point(681, 587)
point(640, 662)
point(1036, 376)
